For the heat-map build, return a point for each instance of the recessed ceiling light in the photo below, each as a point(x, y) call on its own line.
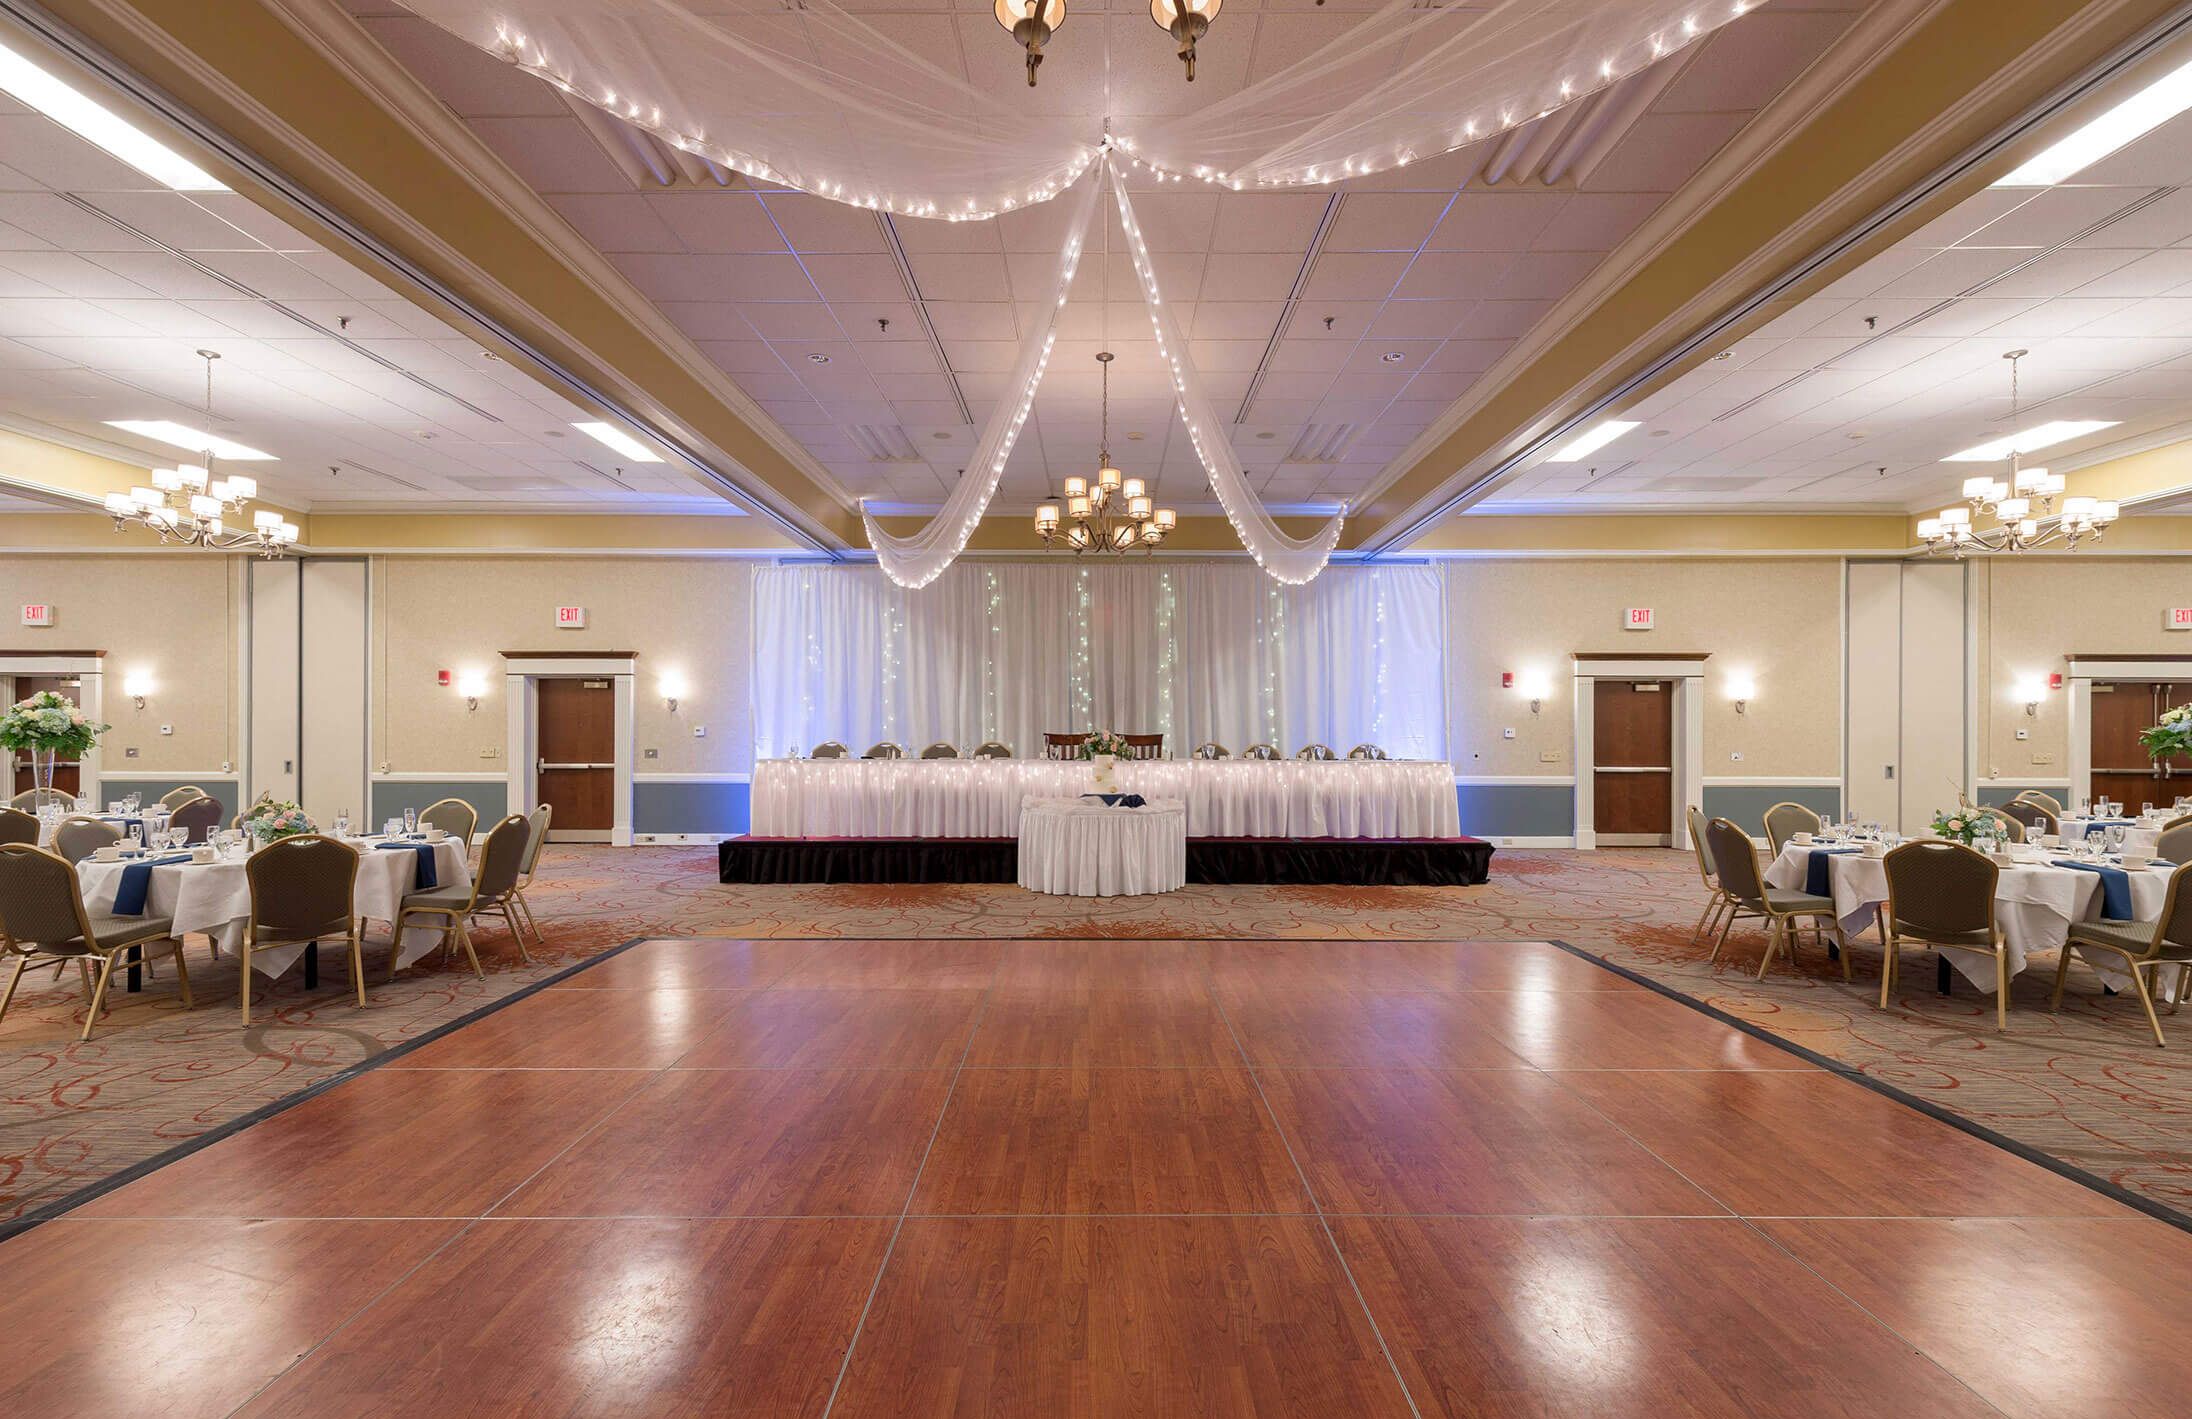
point(93, 122)
point(818, 358)
point(1392, 357)
point(191, 440)
point(2031, 440)
point(1724, 354)
point(1584, 445)
point(619, 440)
point(2143, 112)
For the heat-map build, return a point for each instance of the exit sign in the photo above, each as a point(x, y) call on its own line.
point(37, 615)
point(1637, 618)
point(571, 618)
point(2176, 618)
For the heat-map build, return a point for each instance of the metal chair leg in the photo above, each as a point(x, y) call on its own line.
point(2146, 999)
point(469, 954)
point(99, 995)
point(182, 977)
point(2062, 974)
point(15, 977)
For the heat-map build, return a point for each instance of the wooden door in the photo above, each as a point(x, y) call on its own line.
point(575, 728)
point(1632, 761)
point(2121, 770)
point(67, 773)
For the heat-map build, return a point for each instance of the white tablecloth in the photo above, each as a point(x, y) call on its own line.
point(1078, 847)
point(980, 798)
point(214, 899)
point(2034, 904)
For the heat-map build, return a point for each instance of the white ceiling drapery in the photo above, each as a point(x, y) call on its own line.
point(837, 104)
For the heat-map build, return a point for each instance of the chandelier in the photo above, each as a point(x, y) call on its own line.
point(189, 505)
point(2022, 505)
point(1114, 516)
point(1031, 23)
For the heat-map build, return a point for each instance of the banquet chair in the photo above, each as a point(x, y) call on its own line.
point(43, 918)
point(2142, 946)
point(176, 797)
point(1319, 752)
point(16, 826)
point(1260, 751)
point(885, 750)
point(1942, 894)
point(1144, 746)
point(537, 821)
point(1786, 820)
point(940, 750)
point(1735, 864)
point(830, 749)
point(991, 749)
point(453, 816)
point(2181, 820)
point(1367, 751)
point(303, 890)
point(33, 799)
point(1063, 746)
point(1716, 901)
point(78, 837)
point(2030, 816)
point(1212, 750)
point(200, 816)
point(2174, 844)
point(2047, 801)
point(501, 858)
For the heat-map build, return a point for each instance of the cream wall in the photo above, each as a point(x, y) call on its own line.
point(172, 617)
point(2036, 612)
point(1777, 621)
point(689, 615)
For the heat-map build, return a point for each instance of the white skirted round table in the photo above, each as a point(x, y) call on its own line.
point(1080, 847)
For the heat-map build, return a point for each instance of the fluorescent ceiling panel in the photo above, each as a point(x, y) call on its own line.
point(2031, 440)
point(192, 440)
point(619, 440)
point(81, 116)
point(1583, 445)
point(2143, 112)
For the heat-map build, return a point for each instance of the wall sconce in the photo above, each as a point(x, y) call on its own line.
point(1742, 689)
point(471, 684)
point(672, 686)
point(2031, 689)
point(137, 684)
point(1534, 684)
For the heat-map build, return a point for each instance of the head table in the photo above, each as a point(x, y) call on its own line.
point(1225, 798)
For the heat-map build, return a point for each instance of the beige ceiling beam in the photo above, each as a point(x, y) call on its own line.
point(1877, 150)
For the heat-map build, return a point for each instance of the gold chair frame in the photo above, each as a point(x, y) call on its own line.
point(24, 953)
point(354, 938)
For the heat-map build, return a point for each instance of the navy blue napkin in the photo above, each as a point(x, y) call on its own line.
point(428, 879)
point(1119, 800)
point(136, 883)
point(1816, 881)
point(2115, 887)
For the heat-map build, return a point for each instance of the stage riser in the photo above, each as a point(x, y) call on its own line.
point(1440, 862)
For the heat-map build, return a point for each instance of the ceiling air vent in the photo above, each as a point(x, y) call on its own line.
point(885, 443)
point(1321, 443)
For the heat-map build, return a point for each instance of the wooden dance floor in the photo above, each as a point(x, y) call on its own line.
point(1081, 1179)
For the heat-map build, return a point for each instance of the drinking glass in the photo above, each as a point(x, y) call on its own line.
point(2146, 810)
point(392, 827)
point(410, 820)
point(342, 823)
point(2115, 837)
point(134, 834)
point(133, 801)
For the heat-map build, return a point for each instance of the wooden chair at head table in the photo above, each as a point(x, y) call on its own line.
point(1063, 746)
point(1144, 746)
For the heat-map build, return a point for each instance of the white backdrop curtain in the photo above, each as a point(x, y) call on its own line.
point(1195, 651)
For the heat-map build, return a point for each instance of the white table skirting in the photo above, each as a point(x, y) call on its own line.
point(1224, 798)
point(214, 899)
point(2034, 905)
point(1080, 848)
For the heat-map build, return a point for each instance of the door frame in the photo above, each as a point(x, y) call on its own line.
point(1687, 673)
point(89, 668)
point(2084, 670)
point(523, 670)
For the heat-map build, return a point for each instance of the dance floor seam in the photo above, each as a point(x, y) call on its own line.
point(1149, 1205)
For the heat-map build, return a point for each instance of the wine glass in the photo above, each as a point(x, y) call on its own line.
point(410, 821)
point(342, 823)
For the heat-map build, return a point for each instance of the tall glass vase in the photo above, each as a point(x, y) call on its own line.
point(41, 766)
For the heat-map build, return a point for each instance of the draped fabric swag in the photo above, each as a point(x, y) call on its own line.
point(1197, 652)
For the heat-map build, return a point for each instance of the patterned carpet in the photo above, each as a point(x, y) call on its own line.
point(2086, 1086)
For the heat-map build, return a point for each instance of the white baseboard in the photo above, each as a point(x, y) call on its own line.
point(680, 839)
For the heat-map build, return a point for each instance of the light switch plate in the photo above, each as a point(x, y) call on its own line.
point(1548, 756)
point(2043, 758)
point(167, 729)
point(700, 731)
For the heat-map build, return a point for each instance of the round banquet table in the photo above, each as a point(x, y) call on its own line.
point(214, 899)
point(2034, 903)
point(1078, 847)
point(1224, 798)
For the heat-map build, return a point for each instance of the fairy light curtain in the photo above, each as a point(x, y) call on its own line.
point(1196, 651)
point(838, 104)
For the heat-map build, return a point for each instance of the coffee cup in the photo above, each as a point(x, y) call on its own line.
point(1876, 849)
point(435, 835)
point(203, 853)
point(2137, 862)
point(110, 852)
point(1800, 839)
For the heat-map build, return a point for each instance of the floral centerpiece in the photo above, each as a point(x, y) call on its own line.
point(1962, 826)
point(1104, 748)
point(270, 820)
point(2173, 736)
point(50, 726)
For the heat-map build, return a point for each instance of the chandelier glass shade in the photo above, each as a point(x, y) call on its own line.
point(2022, 506)
point(1114, 514)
